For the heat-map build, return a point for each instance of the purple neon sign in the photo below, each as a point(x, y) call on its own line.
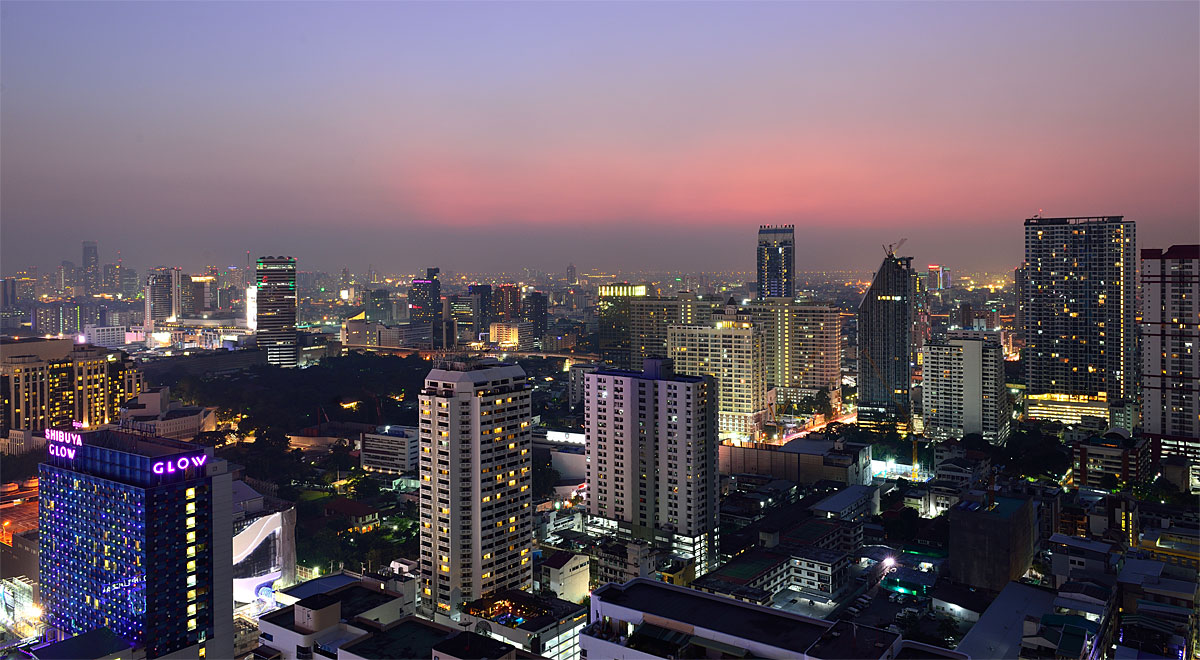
point(178, 465)
point(63, 443)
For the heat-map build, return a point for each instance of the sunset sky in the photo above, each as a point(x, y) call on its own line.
point(486, 136)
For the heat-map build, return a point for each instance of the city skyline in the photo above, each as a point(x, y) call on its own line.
point(377, 132)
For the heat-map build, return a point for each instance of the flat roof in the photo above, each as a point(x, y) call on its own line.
point(847, 640)
point(998, 632)
point(408, 638)
point(843, 498)
point(95, 643)
point(751, 622)
point(319, 585)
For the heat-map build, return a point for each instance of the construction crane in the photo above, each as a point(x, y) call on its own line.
point(890, 250)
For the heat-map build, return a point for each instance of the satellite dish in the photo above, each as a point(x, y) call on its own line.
point(483, 628)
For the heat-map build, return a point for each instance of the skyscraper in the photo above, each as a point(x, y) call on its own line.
point(776, 256)
point(571, 278)
point(1079, 290)
point(649, 318)
point(476, 483)
point(136, 536)
point(484, 316)
point(425, 303)
point(379, 306)
point(506, 301)
point(730, 349)
point(1171, 352)
point(91, 268)
point(158, 297)
point(652, 458)
point(885, 346)
point(533, 310)
point(275, 280)
point(614, 337)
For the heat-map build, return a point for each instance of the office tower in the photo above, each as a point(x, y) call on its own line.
point(571, 278)
point(91, 268)
point(885, 346)
point(110, 281)
point(613, 309)
point(425, 303)
point(652, 457)
point(776, 256)
point(130, 285)
point(187, 304)
point(1080, 309)
point(276, 310)
point(158, 296)
point(136, 535)
point(52, 383)
point(379, 306)
point(730, 350)
point(963, 388)
point(476, 482)
point(533, 310)
point(486, 306)
point(1171, 352)
point(802, 343)
point(506, 301)
point(464, 311)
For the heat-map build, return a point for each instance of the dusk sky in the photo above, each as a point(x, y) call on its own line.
point(615, 135)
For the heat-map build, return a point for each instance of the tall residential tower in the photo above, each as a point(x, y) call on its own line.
point(776, 258)
point(885, 346)
point(276, 310)
point(476, 483)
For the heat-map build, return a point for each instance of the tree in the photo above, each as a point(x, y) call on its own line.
point(1109, 482)
point(365, 488)
point(823, 404)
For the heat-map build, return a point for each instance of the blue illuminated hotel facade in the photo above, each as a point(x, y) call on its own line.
point(136, 536)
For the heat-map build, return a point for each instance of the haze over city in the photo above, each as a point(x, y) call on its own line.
point(481, 136)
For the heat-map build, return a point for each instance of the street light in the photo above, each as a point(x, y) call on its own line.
point(889, 562)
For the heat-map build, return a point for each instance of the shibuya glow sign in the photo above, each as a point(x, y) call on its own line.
point(63, 444)
point(178, 464)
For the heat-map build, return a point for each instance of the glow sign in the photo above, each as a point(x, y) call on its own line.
point(178, 465)
point(63, 443)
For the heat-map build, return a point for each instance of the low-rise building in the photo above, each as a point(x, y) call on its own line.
point(565, 574)
point(648, 619)
point(390, 449)
point(544, 626)
point(1116, 455)
point(352, 516)
point(803, 460)
point(854, 502)
point(321, 623)
point(153, 411)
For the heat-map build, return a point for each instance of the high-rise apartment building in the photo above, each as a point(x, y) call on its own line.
point(136, 535)
point(614, 309)
point(1171, 352)
point(776, 258)
point(652, 458)
point(802, 343)
point(885, 322)
point(649, 318)
point(91, 268)
point(48, 383)
point(1079, 319)
point(963, 389)
point(730, 350)
point(275, 281)
point(476, 483)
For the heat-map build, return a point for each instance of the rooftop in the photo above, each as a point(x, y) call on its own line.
point(847, 640)
point(761, 624)
point(320, 585)
point(998, 632)
point(95, 643)
point(467, 644)
point(843, 498)
point(519, 609)
point(355, 599)
point(408, 638)
point(1005, 507)
point(135, 443)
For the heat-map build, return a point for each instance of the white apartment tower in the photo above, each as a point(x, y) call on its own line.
point(731, 350)
point(1171, 352)
point(963, 389)
point(476, 483)
point(652, 458)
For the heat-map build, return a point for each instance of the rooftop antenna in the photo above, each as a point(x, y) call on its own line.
point(890, 250)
